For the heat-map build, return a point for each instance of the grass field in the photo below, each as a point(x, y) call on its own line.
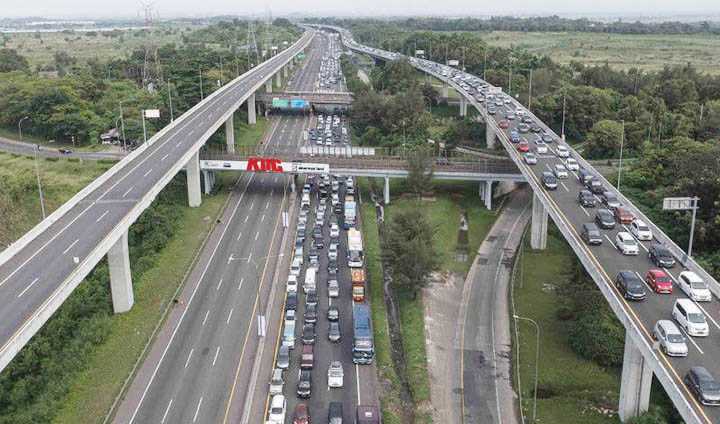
point(621, 51)
point(571, 389)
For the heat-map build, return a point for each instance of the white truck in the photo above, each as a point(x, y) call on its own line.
point(350, 212)
point(355, 249)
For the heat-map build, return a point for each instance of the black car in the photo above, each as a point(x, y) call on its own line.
point(535, 128)
point(547, 138)
point(526, 120)
point(304, 387)
point(332, 267)
point(549, 180)
point(630, 285)
point(308, 333)
point(595, 186)
point(318, 243)
point(317, 233)
point(301, 234)
point(311, 297)
point(591, 234)
point(310, 315)
point(313, 255)
point(586, 199)
point(333, 313)
point(605, 219)
point(335, 413)
point(334, 333)
point(703, 385)
point(291, 301)
point(338, 209)
point(661, 256)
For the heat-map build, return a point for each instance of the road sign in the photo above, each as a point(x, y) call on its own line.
point(678, 203)
point(453, 62)
point(152, 113)
point(419, 52)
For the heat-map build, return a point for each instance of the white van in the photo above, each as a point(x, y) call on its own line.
point(690, 317)
point(310, 283)
point(296, 266)
point(289, 335)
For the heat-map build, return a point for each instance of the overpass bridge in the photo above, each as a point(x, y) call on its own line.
point(314, 97)
point(41, 269)
point(642, 357)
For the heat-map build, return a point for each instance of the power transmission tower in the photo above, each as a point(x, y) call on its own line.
point(151, 72)
point(252, 46)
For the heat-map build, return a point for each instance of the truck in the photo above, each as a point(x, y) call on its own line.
point(357, 276)
point(355, 249)
point(363, 349)
point(350, 212)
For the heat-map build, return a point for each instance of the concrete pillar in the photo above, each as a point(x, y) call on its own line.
point(230, 134)
point(120, 278)
point(538, 225)
point(463, 106)
point(490, 136)
point(278, 79)
point(386, 191)
point(445, 90)
point(208, 180)
point(252, 116)
point(635, 383)
point(268, 85)
point(193, 180)
point(481, 190)
point(488, 195)
point(286, 71)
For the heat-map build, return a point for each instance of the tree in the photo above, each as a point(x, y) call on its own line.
point(410, 251)
point(420, 170)
point(603, 140)
point(11, 60)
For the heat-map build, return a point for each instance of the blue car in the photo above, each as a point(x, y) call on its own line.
point(514, 136)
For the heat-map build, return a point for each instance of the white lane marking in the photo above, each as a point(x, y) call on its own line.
point(230, 259)
point(102, 216)
point(246, 218)
point(252, 204)
point(165, 157)
point(584, 211)
point(28, 287)
point(564, 186)
point(262, 219)
point(178, 145)
point(357, 383)
point(197, 410)
point(219, 284)
point(267, 205)
point(689, 337)
point(256, 236)
point(250, 258)
point(636, 239)
point(643, 280)
point(166, 412)
point(610, 240)
point(217, 352)
point(70, 247)
point(239, 235)
point(128, 191)
point(206, 317)
point(187, 361)
point(147, 173)
point(241, 282)
point(229, 316)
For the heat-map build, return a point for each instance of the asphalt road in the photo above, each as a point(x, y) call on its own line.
point(36, 273)
point(28, 149)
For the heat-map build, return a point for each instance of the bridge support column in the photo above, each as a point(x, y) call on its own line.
point(487, 194)
point(386, 191)
point(490, 136)
point(538, 225)
point(463, 106)
point(278, 79)
point(230, 134)
point(445, 90)
point(120, 277)
point(208, 181)
point(252, 114)
point(286, 71)
point(193, 180)
point(635, 383)
point(268, 85)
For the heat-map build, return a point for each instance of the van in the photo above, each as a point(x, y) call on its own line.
point(690, 317)
point(310, 283)
point(289, 335)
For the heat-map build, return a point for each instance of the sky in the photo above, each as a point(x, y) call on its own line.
point(188, 8)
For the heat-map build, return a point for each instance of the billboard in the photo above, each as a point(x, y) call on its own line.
point(278, 103)
point(453, 62)
point(419, 52)
point(262, 164)
point(152, 113)
point(299, 104)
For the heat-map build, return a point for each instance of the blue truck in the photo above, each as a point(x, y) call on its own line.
point(363, 343)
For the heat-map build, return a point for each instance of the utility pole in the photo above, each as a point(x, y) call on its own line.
point(172, 118)
point(485, 65)
point(622, 141)
point(37, 173)
point(509, 79)
point(530, 90)
point(142, 114)
point(20, 127)
point(122, 125)
point(562, 130)
point(201, 87)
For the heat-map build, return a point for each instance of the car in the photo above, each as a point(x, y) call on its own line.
point(491, 111)
point(610, 200)
point(514, 136)
point(560, 171)
point(591, 234)
point(549, 180)
point(624, 216)
point(504, 124)
point(335, 375)
point(289, 316)
point(523, 146)
point(334, 332)
point(301, 415)
point(310, 314)
point(335, 413)
point(595, 186)
point(291, 301)
point(314, 256)
point(292, 284)
point(65, 151)
point(562, 151)
point(307, 357)
point(333, 251)
point(296, 266)
point(540, 146)
point(333, 288)
point(670, 338)
point(332, 267)
point(630, 285)
point(530, 158)
point(308, 334)
point(283, 358)
point(334, 230)
point(317, 232)
point(586, 199)
point(640, 230)
point(690, 318)
point(572, 164)
point(605, 219)
point(535, 128)
point(548, 138)
point(277, 382)
point(527, 119)
point(694, 286)
point(333, 313)
point(659, 281)
point(703, 385)
point(626, 243)
point(278, 406)
point(304, 385)
point(510, 116)
point(661, 256)
point(584, 177)
point(523, 128)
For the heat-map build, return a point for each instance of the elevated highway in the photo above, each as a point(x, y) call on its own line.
point(642, 359)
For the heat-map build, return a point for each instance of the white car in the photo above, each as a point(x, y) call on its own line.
point(572, 164)
point(671, 340)
point(640, 230)
point(560, 171)
point(289, 317)
point(540, 146)
point(333, 288)
point(278, 407)
point(694, 286)
point(333, 251)
point(292, 284)
point(626, 243)
point(336, 375)
point(562, 151)
point(530, 158)
point(334, 230)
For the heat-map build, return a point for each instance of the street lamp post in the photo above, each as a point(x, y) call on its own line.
point(20, 127)
point(622, 142)
point(201, 87)
point(122, 126)
point(562, 129)
point(172, 118)
point(537, 361)
point(37, 174)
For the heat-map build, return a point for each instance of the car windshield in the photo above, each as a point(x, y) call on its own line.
point(710, 386)
point(698, 285)
point(643, 228)
point(696, 318)
point(629, 242)
point(675, 338)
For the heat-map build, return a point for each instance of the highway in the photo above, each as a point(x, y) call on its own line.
point(28, 149)
point(40, 271)
point(605, 261)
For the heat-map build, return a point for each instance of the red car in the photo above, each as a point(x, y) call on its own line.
point(301, 414)
point(624, 216)
point(504, 124)
point(659, 281)
point(523, 146)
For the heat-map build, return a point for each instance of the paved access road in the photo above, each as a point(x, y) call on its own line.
point(28, 149)
point(36, 273)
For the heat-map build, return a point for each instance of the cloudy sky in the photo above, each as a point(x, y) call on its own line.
point(174, 8)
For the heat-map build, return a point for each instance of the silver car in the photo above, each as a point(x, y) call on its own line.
point(283, 359)
point(671, 340)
